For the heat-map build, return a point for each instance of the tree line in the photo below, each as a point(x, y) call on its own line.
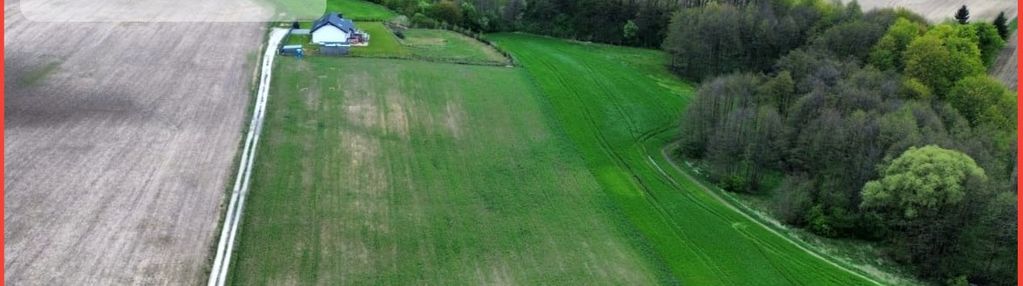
point(640, 23)
point(872, 125)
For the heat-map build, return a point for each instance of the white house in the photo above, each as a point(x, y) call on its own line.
point(332, 29)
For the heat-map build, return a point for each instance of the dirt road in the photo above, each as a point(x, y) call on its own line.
point(119, 142)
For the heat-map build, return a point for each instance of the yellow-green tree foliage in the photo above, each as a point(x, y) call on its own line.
point(922, 180)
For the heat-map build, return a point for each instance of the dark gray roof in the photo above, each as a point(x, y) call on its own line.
point(336, 20)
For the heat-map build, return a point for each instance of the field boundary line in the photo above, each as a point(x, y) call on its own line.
point(756, 220)
point(221, 264)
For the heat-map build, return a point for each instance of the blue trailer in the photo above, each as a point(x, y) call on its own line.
point(291, 50)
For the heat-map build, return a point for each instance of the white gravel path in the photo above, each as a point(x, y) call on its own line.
point(218, 276)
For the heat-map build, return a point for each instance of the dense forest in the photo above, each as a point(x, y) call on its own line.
point(625, 22)
point(871, 125)
point(642, 23)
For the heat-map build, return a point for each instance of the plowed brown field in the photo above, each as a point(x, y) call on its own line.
point(940, 10)
point(119, 140)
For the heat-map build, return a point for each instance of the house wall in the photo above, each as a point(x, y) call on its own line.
point(329, 34)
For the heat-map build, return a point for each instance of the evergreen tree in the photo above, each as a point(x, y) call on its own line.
point(1001, 23)
point(963, 15)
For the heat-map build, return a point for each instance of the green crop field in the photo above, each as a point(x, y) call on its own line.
point(399, 172)
point(359, 10)
point(620, 107)
point(384, 171)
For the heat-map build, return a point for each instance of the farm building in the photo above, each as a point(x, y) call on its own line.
point(333, 29)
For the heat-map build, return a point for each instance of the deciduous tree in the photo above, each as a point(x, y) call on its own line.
point(943, 56)
point(984, 101)
point(888, 52)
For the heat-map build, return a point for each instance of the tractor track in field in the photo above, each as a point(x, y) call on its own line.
point(643, 184)
point(221, 264)
point(731, 205)
point(648, 195)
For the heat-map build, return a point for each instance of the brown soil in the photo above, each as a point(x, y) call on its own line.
point(119, 142)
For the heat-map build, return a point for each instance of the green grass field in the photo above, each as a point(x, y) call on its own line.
point(620, 107)
point(382, 43)
point(381, 171)
point(425, 44)
point(303, 40)
point(450, 46)
point(399, 172)
point(359, 10)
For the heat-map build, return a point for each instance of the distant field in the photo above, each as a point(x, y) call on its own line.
point(941, 10)
point(620, 106)
point(1005, 66)
point(359, 10)
point(399, 172)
